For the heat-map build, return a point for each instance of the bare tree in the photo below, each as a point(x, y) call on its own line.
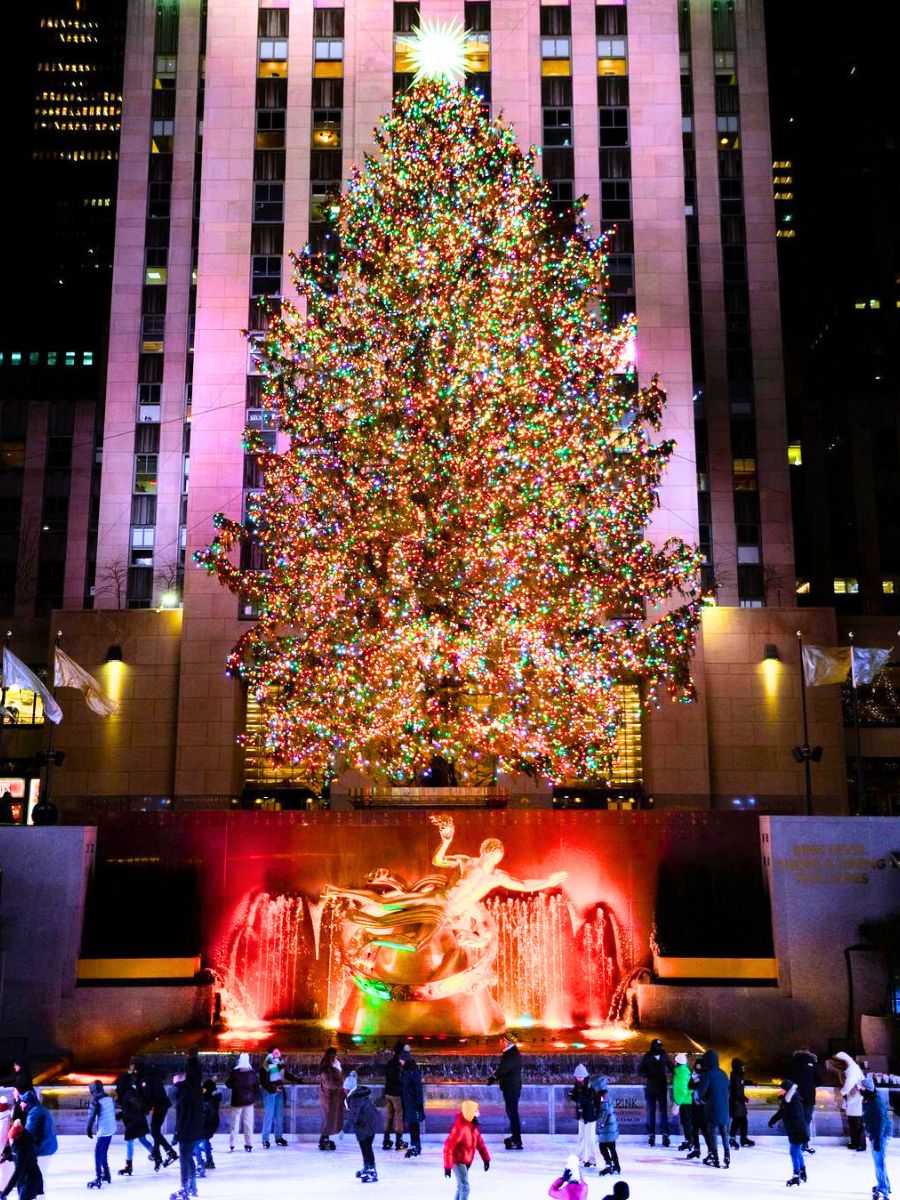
point(112, 579)
point(775, 582)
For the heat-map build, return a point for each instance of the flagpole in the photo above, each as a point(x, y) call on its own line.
point(805, 748)
point(6, 642)
point(45, 799)
point(860, 781)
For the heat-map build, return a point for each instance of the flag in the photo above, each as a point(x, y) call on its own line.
point(825, 664)
point(16, 674)
point(69, 674)
point(867, 662)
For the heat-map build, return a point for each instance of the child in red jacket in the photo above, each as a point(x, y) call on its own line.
point(462, 1141)
point(570, 1185)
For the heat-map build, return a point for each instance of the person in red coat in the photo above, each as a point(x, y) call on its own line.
point(462, 1142)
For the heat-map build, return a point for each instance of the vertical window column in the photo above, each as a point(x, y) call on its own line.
point(327, 115)
point(615, 155)
point(477, 21)
point(557, 157)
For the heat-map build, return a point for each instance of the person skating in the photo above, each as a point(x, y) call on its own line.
point(508, 1076)
point(243, 1083)
point(805, 1073)
point(713, 1092)
point(607, 1129)
point(621, 1191)
point(393, 1115)
point(792, 1117)
point(412, 1097)
point(365, 1123)
point(39, 1123)
point(851, 1099)
point(134, 1119)
point(102, 1115)
point(737, 1105)
point(188, 1131)
point(461, 1145)
point(6, 1120)
point(331, 1098)
point(570, 1185)
point(210, 1099)
point(879, 1126)
point(26, 1177)
point(684, 1098)
point(156, 1104)
point(585, 1100)
point(274, 1076)
point(698, 1113)
point(655, 1068)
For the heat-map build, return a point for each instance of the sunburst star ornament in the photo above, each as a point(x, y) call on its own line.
point(438, 50)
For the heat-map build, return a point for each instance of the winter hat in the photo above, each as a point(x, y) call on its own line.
point(581, 1071)
point(469, 1109)
point(655, 1046)
point(786, 1085)
point(867, 1083)
point(400, 1047)
point(573, 1166)
point(681, 1060)
point(243, 1062)
point(602, 1084)
point(351, 1082)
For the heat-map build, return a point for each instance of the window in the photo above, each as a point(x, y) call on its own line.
point(326, 131)
point(887, 586)
point(145, 474)
point(153, 329)
point(70, 358)
point(268, 202)
point(270, 123)
point(273, 58)
point(329, 58)
point(724, 62)
point(846, 587)
point(323, 199)
point(266, 274)
point(555, 56)
point(562, 193)
point(795, 454)
point(87, 358)
point(557, 127)
point(744, 474)
point(615, 199)
point(478, 53)
point(612, 56)
point(142, 537)
point(51, 358)
point(162, 137)
point(613, 127)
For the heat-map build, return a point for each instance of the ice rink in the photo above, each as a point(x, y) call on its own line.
point(302, 1172)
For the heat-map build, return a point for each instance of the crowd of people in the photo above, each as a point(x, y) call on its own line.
point(703, 1102)
point(714, 1106)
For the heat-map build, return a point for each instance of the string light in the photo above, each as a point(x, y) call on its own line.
point(455, 538)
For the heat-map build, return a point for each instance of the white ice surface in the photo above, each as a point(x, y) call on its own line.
point(302, 1172)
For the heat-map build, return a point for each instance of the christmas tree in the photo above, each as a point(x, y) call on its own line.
point(455, 536)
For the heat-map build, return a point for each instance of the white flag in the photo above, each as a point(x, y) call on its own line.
point(69, 674)
point(825, 664)
point(16, 674)
point(867, 662)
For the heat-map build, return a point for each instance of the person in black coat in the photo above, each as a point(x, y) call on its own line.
point(134, 1119)
point(412, 1097)
point(737, 1105)
point(393, 1115)
point(508, 1076)
point(156, 1104)
point(793, 1118)
point(656, 1067)
point(26, 1178)
point(805, 1073)
point(210, 1100)
point(365, 1123)
point(713, 1090)
point(188, 1130)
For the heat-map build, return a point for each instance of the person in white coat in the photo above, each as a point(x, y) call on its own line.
point(851, 1098)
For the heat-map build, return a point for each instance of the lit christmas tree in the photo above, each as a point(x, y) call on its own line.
point(455, 538)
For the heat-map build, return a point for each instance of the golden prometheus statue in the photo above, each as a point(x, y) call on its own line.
point(422, 957)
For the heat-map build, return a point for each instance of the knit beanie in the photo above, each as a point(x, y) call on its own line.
point(581, 1071)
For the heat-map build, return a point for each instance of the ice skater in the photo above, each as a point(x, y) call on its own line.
point(713, 1092)
point(412, 1097)
point(243, 1083)
point(134, 1119)
point(793, 1119)
point(508, 1076)
point(102, 1115)
point(156, 1103)
point(462, 1143)
point(607, 1129)
point(737, 1105)
point(585, 1100)
point(188, 1131)
point(655, 1068)
point(877, 1121)
point(684, 1098)
point(851, 1098)
point(393, 1105)
point(274, 1076)
point(26, 1177)
point(331, 1098)
point(570, 1185)
point(210, 1100)
point(365, 1123)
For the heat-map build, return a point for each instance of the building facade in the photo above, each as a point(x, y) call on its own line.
point(239, 118)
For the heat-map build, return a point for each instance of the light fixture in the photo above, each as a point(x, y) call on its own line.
point(114, 653)
point(169, 599)
point(771, 653)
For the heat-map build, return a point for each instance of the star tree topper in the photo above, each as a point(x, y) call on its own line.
point(438, 50)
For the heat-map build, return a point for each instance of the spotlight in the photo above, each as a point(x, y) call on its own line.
point(771, 652)
point(114, 653)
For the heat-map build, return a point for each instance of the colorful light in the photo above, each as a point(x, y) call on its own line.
point(455, 538)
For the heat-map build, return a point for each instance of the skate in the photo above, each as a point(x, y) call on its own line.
point(369, 1176)
point(665, 1141)
point(726, 1162)
point(210, 1165)
point(651, 1140)
point(516, 1145)
point(169, 1159)
point(323, 1142)
point(386, 1143)
point(693, 1154)
point(806, 1149)
point(127, 1169)
point(401, 1145)
point(734, 1143)
point(684, 1146)
point(249, 1149)
point(266, 1143)
point(330, 1145)
point(716, 1163)
point(280, 1141)
point(803, 1174)
point(749, 1142)
point(606, 1171)
point(107, 1178)
point(794, 1181)
point(708, 1160)
point(413, 1152)
point(181, 1194)
point(94, 1183)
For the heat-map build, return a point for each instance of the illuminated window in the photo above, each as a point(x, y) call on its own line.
point(887, 586)
point(478, 53)
point(143, 537)
point(744, 473)
point(724, 62)
point(272, 48)
point(795, 454)
point(874, 304)
point(612, 56)
point(786, 233)
point(16, 358)
point(326, 132)
point(51, 358)
point(12, 455)
point(24, 707)
point(87, 358)
point(70, 358)
point(145, 474)
point(270, 126)
point(555, 56)
point(846, 587)
point(802, 587)
point(156, 276)
point(34, 358)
